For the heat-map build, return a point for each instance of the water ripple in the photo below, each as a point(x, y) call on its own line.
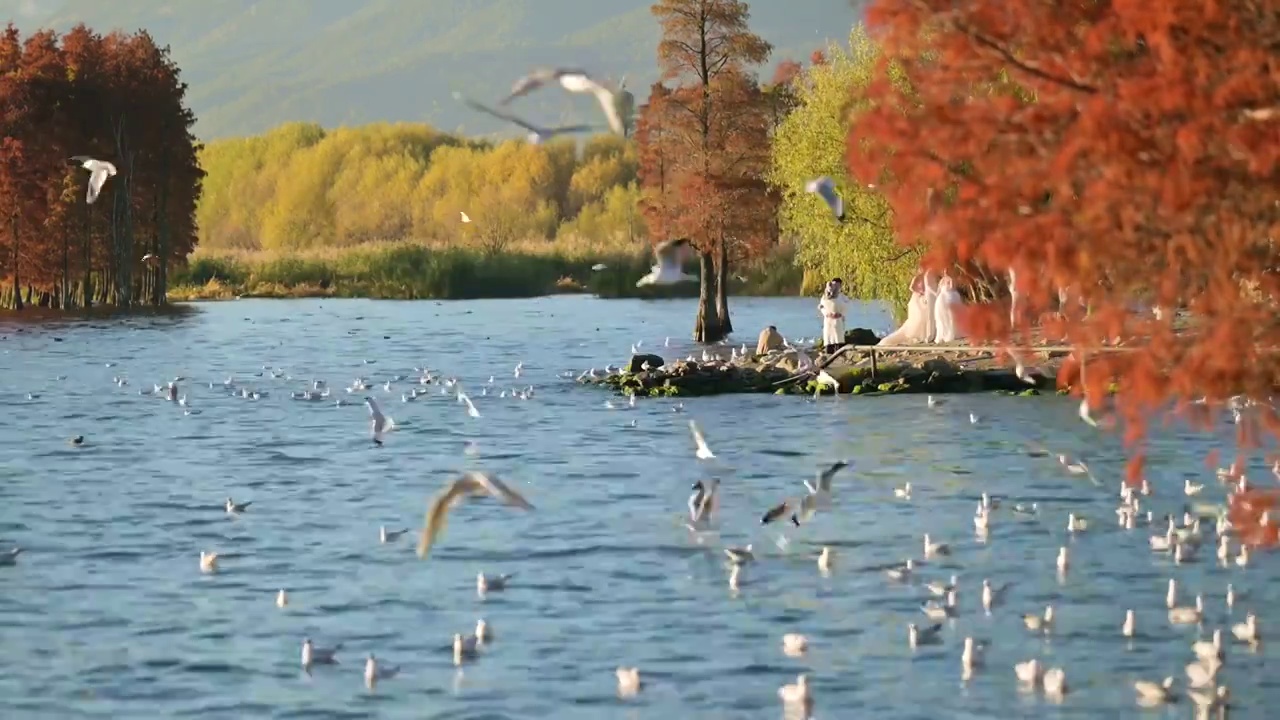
point(106, 614)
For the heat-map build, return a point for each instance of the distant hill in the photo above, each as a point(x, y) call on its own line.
point(252, 64)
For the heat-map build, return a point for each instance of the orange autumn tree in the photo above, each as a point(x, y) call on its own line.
point(1123, 152)
point(117, 98)
point(704, 138)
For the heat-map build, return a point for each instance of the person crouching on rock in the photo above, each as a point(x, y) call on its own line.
point(833, 305)
point(770, 339)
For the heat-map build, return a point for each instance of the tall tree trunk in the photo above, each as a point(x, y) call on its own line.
point(87, 290)
point(707, 328)
point(64, 291)
point(722, 287)
point(17, 283)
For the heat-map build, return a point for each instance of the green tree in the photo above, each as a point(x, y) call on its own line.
point(810, 142)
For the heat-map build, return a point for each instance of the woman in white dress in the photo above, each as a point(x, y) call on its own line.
point(913, 330)
point(833, 306)
point(944, 311)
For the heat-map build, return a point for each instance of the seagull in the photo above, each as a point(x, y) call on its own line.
point(491, 583)
point(825, 188)
point(235, 508)
point(312, 655)
point(537, 135)
point(628, 681)
point(703, 452)
point(99, 171)
point(575, 81)
point(389, 536)
point(379, 423)
point(922, 635)
point(599, 266)
point(373, 671)
point(470, 484)
point(10, 557)
point(667, 270)
point(704, 502)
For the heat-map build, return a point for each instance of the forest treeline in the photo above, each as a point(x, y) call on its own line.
point(117, 97)
point(302, 187)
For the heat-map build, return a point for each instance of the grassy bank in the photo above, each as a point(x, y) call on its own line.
point(408, 271)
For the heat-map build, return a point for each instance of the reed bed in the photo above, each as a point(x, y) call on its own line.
point(410, 271)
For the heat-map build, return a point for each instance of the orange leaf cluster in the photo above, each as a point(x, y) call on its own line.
point(116, 98)
point(1124, 154)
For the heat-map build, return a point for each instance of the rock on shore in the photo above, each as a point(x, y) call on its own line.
point(922, 371)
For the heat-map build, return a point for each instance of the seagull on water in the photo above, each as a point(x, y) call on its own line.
point(378, 423)
point(389, 536)
point(825, 188)
point(537, 135)
point(99, 171)
point(575, 81)
point(373, 671)
point(470, 484)
point(312, 655)
point(235, 508)
point(703, 452)
point(668, 268)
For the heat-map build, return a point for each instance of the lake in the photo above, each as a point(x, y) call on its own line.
point(106, 613)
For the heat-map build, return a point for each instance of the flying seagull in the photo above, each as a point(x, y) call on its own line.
point(99, 171)
point(703, 452)
point(668, 268)
point(378, 423)
point(825, 188)
point(575, 81)
point(537, 134)
point(470, 484)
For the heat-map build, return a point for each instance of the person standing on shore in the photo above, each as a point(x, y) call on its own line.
point(833, 306)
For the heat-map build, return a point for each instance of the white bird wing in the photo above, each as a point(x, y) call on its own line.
point(825, 476)
point(670, 254)
point(609, 104)
point(699, 440)
point(380, 422)
point(825, 188)
point(97, 178)
point(498, 489)
point(471, 407)
point(529, 83)
point(437, 513)
point(499, 114)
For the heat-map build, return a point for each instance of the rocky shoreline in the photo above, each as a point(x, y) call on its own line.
point(930, 369)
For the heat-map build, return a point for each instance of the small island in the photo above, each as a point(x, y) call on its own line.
point(860, 368)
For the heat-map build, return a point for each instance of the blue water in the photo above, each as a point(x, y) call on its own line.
point(107, 615)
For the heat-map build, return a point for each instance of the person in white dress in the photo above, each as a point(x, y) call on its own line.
point(944, 311)
point(913, 330)
point(833, 306)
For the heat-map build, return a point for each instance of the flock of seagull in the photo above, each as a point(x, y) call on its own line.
point(1180, 538)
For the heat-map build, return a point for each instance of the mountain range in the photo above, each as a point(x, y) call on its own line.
point(254, 64)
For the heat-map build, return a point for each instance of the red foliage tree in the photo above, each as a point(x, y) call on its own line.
point(117, 98)
point(1124, 151)
point(708, 133)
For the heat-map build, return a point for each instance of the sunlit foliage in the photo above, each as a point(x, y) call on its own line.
point(811, 142)
point(117, 98)
point(301, 187)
